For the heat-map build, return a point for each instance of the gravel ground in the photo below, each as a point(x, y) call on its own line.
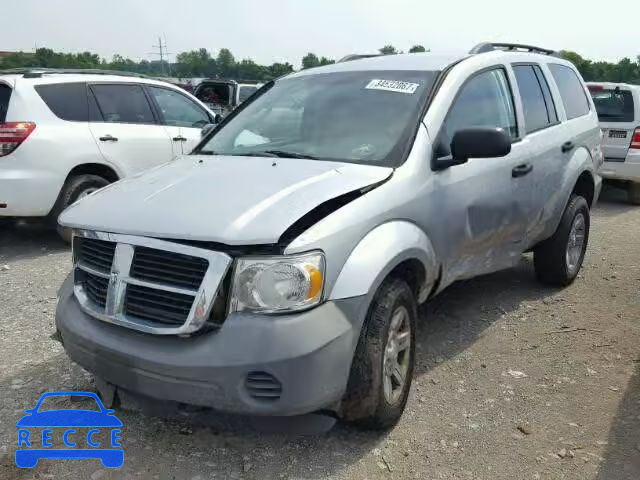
point(514, 381)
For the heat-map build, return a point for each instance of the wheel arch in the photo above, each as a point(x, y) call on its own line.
point(100, 169)
point(90, 168)
point(583, 183)
point(398, 248)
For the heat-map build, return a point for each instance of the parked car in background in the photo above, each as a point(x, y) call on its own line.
point(618, 106)
point(277, 269)
point(224, 96)
point(65, 134)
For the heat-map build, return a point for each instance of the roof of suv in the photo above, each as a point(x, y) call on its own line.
point(44, 76)
point(431, 61)
point(407, 61)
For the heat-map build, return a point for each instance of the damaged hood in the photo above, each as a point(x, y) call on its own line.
point(231, 200)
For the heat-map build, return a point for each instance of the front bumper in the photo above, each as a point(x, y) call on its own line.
point(309, 353)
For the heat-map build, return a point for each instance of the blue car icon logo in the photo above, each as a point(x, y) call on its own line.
point(69, 433)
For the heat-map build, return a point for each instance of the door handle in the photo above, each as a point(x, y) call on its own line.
point(521, 170)
point(567, 147)
point(108, 138)
point(179, 138)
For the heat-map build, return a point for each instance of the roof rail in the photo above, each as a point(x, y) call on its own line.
point(348, 58)
point(515, 47)
point(34, 72)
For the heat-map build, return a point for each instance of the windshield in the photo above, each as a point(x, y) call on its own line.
point(613, 105)
point(363, 117)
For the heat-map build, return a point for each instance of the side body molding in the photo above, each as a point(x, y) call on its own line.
point(379, 252)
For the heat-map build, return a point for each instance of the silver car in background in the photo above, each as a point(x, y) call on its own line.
point(277, 269)
point(618, 107)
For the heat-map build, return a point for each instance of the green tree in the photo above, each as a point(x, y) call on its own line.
point(417, 49)
point(195, 63)
point(249, 70)
point(310, 60)
point(279, 69)
point(226, 63)
point(326, 61)
point(388, 50)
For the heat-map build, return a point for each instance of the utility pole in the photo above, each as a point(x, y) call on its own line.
point(162, 53)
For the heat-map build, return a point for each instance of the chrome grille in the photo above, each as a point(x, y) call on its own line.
point(166, 267)
point(96, 289)
point(94, 253)
point(146, 284)
point(156, 305)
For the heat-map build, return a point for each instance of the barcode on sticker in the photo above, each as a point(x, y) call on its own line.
point(393, 86)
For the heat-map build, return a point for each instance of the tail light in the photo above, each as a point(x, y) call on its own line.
point(635, 140)
point(12, 134)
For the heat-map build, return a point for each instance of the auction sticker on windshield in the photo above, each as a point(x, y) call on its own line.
point(392, 86)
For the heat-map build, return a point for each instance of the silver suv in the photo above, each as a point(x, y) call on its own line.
point(277, 269)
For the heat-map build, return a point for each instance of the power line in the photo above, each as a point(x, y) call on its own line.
point(162, 53)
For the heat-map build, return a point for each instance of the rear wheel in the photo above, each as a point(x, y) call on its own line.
point(558, 260)
point(633, 193)
point(382, 367)
point(73, 190)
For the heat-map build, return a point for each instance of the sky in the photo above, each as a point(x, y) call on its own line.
point(285, 30)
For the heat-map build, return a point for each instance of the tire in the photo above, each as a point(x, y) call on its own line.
point(73, 189)
point(633, 193)
point(365, 402)
point(553, 264)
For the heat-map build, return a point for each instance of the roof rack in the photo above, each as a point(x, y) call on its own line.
point(515, 47)
point(348, 58)
point(34, 72)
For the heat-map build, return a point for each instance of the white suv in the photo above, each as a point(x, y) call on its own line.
point(618, 107)
point(65, 134)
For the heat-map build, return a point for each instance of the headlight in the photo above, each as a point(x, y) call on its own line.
point(278, 284)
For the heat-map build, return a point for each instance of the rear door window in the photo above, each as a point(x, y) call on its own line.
point(5, 95)
point(67, 101)
point(123, 103)
point(613, 105)
point(574, 97)
point(548, 98)
point(534, 103)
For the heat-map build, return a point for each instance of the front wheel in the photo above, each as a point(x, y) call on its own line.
point(383, 364)
point(558, 260)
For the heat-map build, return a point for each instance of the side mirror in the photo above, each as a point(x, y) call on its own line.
point(477, 142)
point(481, 142)
point(206, 129)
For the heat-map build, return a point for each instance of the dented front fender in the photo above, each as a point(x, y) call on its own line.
point(378, 253)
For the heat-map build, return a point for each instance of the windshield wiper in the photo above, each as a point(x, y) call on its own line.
point(264, 153)
point(249, 154)
point(285, 154)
